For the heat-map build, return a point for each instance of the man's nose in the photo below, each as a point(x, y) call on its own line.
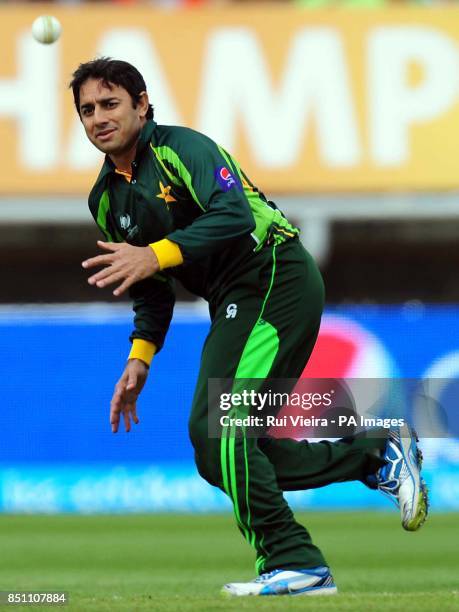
point(100, 115)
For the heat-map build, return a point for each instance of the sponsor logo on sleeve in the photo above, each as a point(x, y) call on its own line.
point(226, 179)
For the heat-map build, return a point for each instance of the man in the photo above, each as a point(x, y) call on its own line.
point(173, 204)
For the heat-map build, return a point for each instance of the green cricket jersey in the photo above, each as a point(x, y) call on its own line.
point(185, 188)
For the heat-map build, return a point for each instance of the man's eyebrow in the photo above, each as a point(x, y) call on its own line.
point(107, 99)
point(100, 101)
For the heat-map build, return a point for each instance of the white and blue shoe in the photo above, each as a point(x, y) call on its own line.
point(400, 479)
point(313, 581)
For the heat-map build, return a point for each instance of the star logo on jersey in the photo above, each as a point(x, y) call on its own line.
point(166, 193)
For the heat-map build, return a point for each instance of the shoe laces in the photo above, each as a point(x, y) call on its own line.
point(267, 575)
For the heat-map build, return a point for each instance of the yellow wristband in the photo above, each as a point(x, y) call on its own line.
point(168, 253)
point(142, 349)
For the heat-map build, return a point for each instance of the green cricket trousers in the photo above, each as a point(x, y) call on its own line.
point(266, 324)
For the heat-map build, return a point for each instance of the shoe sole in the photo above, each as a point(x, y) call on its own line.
point(422, 511)
point(318, 592)
point(321, 591)
point(422, 502)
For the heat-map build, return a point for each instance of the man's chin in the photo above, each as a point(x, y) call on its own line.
point(109, 148)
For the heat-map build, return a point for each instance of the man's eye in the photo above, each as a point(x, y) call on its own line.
point(111, 104)
point(86, 112)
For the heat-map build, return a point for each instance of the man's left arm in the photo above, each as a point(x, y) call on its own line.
point(216, 188)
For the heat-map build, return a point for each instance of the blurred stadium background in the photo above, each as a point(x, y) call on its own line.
point(347, 117)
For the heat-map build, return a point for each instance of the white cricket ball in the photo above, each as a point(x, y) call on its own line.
point(46, 29)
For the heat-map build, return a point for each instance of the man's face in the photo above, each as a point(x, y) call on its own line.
point(108, 116)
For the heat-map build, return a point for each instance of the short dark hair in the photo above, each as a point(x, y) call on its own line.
point(109, 71)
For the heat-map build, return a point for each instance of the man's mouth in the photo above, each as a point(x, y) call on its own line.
point(105, 134)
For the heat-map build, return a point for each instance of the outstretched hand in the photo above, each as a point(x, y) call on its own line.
point(127, 390)
point(123, 262)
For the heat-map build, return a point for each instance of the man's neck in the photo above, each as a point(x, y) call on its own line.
point(124, 161)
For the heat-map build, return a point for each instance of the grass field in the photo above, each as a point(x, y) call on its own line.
point(179, 562)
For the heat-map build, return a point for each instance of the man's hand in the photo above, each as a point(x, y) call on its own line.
point(124, 262)
point(127, 390)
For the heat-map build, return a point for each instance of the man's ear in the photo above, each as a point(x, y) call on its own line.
point(143, 104)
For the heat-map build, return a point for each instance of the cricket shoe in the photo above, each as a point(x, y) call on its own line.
point(400, 479)
point(313, 581)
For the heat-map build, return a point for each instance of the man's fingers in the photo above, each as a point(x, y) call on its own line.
point(125, 263)
point(135, 418)
point(110, 277)
point(124, 401)
point(104, 273)
point(98, 260)
point(132, 411)
point(127, 421)
point(110, 246)
point(130, 280)
point(116, 406)
point(114, 419)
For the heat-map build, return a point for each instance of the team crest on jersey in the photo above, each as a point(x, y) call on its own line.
point(166, 193)
point(225, 178)
point(125, 222)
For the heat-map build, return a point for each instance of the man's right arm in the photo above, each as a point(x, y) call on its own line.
point(153, 306)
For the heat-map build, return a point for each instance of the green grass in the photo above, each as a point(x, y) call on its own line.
point(179, 562)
